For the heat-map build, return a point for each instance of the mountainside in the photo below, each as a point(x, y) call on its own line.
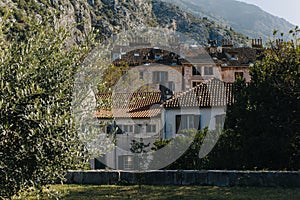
point(112, 16)
point(245, 18)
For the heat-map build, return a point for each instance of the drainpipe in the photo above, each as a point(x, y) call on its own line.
point(165, 125)
point(182, 79)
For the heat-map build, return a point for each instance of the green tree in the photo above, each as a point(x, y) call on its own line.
point(38, 141)
point(189, 160)
point(271, 133)
point(263, 124)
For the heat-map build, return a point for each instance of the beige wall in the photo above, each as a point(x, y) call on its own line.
point(228, 73)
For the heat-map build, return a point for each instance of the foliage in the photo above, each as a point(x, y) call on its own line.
point(263, 124)
point(139, 147)
point(274, 94)
point(38, 142)
point(111, 76)
point(190, 158)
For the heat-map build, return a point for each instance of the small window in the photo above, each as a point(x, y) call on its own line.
point(220, 119)
point(126, 128)
point(116, 56)
point(208, 70)
point(128, 162)
point(141, 75)
point(238, 75)
point(157, 57)
point(186, 122)
point(160, 77)
point(138, 128)
point(196, 71)
point(151, 128)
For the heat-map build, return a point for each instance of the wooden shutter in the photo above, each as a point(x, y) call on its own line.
point(197, 122)
point(178, 121)
point(155, 77)
point(121, 162)
point(166, 78)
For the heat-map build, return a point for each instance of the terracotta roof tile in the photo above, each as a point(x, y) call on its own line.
point(129, 105)
point(213, 92)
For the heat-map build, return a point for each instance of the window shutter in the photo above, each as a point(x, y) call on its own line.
point(121, 162)
point(155, 76)
point(178, 120)
point(197, 122)
point(166, 77)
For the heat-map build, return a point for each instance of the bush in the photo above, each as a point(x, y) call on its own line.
point(38, 141)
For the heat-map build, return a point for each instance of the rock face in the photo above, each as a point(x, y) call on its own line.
point(245, 18)
point(113, 16)
point(201, 30)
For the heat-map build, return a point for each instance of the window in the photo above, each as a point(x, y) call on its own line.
point(234, 57)
point(208, 70)
point(220, 119)
point(238, 75)
point(157, 57)
point(141, 75)
point(151, 128)
point(196, 71)
point(186, 122)
point(167, 88)
point(127, 162)
point(126, 128)
point(138, 128)
point(160, 76)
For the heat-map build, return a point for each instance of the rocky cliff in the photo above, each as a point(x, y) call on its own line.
point(112, 16)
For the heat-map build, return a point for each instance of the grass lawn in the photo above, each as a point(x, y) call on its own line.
point(82, 192)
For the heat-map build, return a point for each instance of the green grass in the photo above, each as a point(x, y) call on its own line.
point(82, 192)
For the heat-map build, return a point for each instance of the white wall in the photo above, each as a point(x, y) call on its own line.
point(207, 118)
point(124, 140)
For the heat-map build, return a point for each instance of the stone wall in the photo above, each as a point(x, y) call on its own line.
point(173, 177)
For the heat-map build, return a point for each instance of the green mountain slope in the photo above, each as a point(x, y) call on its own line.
point(242, 17)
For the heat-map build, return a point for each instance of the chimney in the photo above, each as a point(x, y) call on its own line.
point(227, 43)
point(257, 43)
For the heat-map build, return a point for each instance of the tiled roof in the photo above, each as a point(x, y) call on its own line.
point(129, 105)
point(245, 55)
point(210, 93)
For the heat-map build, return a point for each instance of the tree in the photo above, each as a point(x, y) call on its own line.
point(189, 160)
point(38, 141)
point(274, 94)
point(263, 124)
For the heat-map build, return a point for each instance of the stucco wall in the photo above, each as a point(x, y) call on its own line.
point(207, 118)
point(228, 73)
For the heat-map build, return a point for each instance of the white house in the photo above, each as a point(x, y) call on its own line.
point(145, 116)
point(202, 106)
